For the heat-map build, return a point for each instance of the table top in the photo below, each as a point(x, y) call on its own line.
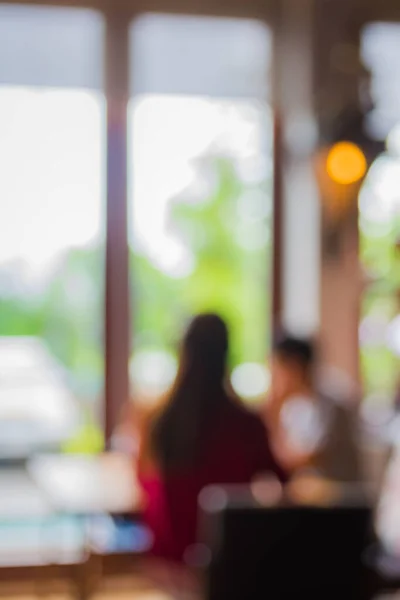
point(21, 498)
point(42, 541)
point(74, 484)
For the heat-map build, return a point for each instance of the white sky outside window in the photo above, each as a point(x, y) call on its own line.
point(51, 130)
point(380, 47)
point(169, 134)
point(50, 188)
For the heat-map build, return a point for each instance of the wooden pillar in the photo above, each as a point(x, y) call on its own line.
point(117, 328)
point(341, 287)
point(337, 79)
point(316, 83)
point(277, 230)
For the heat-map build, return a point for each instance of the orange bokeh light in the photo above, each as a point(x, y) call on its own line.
point(346, 163)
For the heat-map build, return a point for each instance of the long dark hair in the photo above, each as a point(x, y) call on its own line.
point(197, 394)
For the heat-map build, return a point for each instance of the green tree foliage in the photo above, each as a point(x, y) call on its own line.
point(66, 312)
point(381, 259)
point(229, 275)
point(230, 271)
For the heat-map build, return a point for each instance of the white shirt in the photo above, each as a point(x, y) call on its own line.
point(305, 421)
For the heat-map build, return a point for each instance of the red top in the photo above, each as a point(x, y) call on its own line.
point(237, 450)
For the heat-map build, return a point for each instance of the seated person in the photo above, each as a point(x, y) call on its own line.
point(202, 436)
point(311, 429)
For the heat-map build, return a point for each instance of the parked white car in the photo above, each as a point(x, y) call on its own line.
point(37, 408)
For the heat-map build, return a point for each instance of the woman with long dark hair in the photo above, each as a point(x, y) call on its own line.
point(202, 436)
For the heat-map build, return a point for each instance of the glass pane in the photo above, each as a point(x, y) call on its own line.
point(379, 235)
point(224, 58)
point(50, 46)
point(51, 262)
point(380, 46)
point(380, 225)
point(201, 195)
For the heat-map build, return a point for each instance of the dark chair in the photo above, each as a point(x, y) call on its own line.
point(286, 551)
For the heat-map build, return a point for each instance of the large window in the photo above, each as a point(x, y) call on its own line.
point(51, 225)
point(380, 220)
point(200, 202)
point(200, 193)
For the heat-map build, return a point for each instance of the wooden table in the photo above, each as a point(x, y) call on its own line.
point(37, 546)
point(91, 486)
point(20, 497)
point(37, 500)
point(88, 485)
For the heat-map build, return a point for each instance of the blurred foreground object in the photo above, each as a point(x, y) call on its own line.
point(346, 163)
point(340, 170)
point(309, 489)
point(83, 485)
point(310, 550)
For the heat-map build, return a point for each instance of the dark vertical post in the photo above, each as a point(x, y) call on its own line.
point(277, 245)
point(117, 327)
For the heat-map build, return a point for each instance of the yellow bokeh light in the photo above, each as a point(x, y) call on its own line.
point(346, 163)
